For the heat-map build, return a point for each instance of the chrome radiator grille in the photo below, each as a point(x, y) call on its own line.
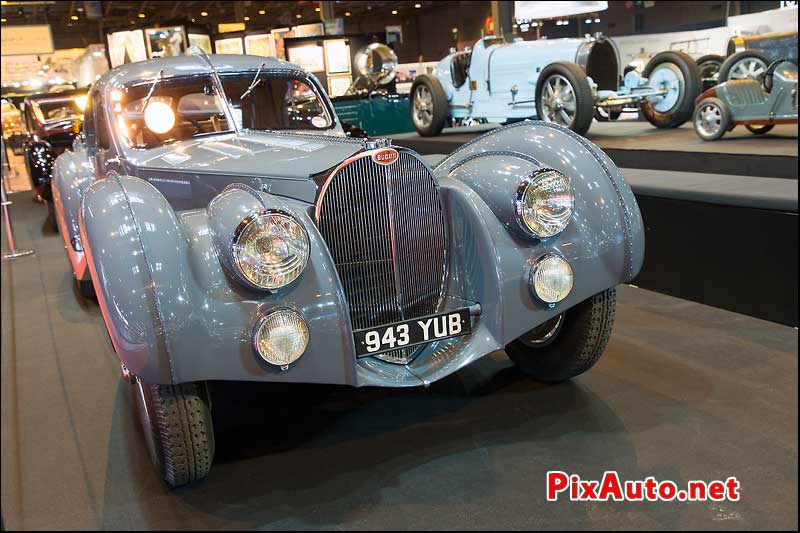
point(385, 229)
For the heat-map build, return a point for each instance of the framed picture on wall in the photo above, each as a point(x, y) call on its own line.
point(338, 85)
point(337, 56)
point(232, 45)
point(259, 45)
point(126, 47)
point(309, 56)
point(203, 42)
point(165, 42)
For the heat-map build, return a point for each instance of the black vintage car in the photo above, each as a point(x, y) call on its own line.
point(50, 119)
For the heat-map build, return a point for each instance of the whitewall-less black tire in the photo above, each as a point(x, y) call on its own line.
point(176, 420)
point(574, 345)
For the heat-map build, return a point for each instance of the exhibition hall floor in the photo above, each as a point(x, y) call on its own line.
point(684, 392)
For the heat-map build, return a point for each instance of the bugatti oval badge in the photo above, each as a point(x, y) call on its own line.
point(386, 156)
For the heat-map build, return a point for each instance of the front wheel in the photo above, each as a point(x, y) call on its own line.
point(711, 119)
point(568, 344)
point(677, 75)
point(176, 420)
point(429, 107)
point(563, 96)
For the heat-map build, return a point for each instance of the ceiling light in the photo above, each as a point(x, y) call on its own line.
point(394, 12)
point(298, 16)
point(346, 13)
point(418, 6)
point(141, 15)
point(316, 9)
point(73, 17)
point(597, 20)
point(204, 13)
point(588, 21)
point(262, 12)
point(3, 20)
point(246, 19)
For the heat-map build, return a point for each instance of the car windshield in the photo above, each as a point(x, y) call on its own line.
point(51, 110)
point(187, 107)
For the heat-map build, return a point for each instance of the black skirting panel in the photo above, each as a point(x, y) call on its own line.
point(736, 258)
point(765, 166)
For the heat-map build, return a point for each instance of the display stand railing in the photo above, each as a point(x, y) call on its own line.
point(13, 252)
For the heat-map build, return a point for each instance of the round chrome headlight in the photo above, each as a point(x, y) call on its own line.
point(281, 337)
point(551, 278)
point(544, 203)
point(270, 249)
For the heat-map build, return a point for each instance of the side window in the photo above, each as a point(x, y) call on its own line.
point(101, 124)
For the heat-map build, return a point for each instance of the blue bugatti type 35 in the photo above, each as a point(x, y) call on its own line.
point(563, 81)
point(231, 231)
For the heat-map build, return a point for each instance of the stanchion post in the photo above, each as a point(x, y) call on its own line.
point(13, 252)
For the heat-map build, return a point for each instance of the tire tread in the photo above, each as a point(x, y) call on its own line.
point(580, 345)
point(182, 423)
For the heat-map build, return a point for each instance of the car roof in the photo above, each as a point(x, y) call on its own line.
point(188, 65)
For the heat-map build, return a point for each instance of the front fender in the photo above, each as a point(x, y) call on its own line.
point(73, 172)
point(173, 312)
point(605, 207)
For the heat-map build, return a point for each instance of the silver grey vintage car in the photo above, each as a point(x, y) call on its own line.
point(233, 232)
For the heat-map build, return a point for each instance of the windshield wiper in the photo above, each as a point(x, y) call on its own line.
point(152, 88)
point(253, 84)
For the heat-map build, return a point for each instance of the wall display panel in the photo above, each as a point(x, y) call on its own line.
point(26, 40)
point(203, 42)
point(259, 45)
point(337, 56)
point(229, 46)
point(309, 56)
point(165, 42)
point(126, 47)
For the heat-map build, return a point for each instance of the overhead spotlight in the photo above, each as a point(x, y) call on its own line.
point(588, 21)
point(204, 13)
point(316, 9)
point(73, 17)
point(394, 12)
point(3, 19)
point(141, 15)
point(597, 20)
point(346, 13)
point(298, 16)
point(262, 12)
point(417, 6)
point(246, 19)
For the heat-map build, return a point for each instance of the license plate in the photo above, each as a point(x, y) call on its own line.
point(430, 328)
